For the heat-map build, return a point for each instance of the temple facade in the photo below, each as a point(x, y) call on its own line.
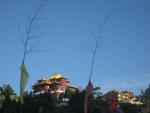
point(125, 96)
point(56, 84)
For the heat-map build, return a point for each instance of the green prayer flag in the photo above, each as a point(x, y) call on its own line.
point(23, 81)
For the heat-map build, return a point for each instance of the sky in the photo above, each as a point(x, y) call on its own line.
point(122, 61)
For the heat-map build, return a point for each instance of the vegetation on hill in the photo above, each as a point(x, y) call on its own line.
point(48, 103)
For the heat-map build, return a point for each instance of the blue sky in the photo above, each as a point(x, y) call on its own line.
point(122, 62)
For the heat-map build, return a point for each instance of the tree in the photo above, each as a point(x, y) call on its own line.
point(8, 99)
point(146, 99)
point(130, 108)
point(96, 91)
point(113, 94)
point(76, 102)
point(98, 40)
point(7, 90)
point(34, 30)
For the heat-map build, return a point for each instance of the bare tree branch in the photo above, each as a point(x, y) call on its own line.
point(21, 35)
point(34, 30)
point(98, 39)
point(37, 51)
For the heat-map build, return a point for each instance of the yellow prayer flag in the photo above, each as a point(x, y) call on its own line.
point(23, 81)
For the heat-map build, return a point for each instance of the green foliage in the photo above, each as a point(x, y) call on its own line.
point(95, 105)
point(7, 93)
point(8, 99)
point(145, 98)
point(42, 103)
point(76, 102)
point(46, 103)
point(7, 90)
point(111, 94)
point(130, 108)
point(96, 91)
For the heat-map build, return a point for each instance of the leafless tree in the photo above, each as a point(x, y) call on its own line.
point(35, 29)
point(98, 40)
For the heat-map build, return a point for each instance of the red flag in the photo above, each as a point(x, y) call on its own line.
point(88, 93)
point(113, 104)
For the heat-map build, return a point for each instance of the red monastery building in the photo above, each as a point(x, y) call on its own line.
point(56, 84)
